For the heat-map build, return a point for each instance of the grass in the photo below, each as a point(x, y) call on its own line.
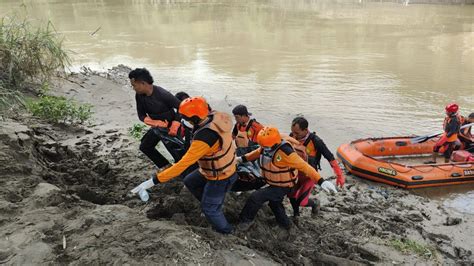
point(29, 55)
point(408, 246)
point(137, 130)
point(59, 110)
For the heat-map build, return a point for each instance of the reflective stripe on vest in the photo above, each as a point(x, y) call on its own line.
point(221, 164)
point(274, 175)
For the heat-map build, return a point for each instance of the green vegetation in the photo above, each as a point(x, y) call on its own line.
point(29, 55)
point(59, 109)
point(408, 246)
point(137, 130)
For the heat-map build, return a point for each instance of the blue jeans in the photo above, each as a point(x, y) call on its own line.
point(211, 194)
point(274, 195)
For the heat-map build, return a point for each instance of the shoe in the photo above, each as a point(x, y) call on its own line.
point(244, 226)
point(315, 208)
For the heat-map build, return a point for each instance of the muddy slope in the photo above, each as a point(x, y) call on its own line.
point(63, 199)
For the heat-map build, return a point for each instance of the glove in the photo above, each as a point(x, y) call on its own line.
point(155, 123)
point(328, 187)
point(441, 141)
point(173, 131)
point(145, 185)
point(340, 179)
point(238, 160)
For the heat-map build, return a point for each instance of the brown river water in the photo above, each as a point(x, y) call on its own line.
point(355, 69)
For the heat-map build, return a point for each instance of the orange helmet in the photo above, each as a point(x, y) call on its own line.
point(268, 136)
point(194, 107)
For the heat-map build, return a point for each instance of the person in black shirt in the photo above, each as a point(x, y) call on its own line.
point(156, 108)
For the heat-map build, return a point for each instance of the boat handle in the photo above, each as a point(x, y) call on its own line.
point(401, 143)
point(417, 177)
point(456, 175)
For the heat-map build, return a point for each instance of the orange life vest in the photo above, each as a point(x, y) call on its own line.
point(447, 120)
point(221, 164)
point(299, 148)
point(275, 175)
point(245, 135)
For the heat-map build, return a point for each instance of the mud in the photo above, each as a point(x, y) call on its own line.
point(63, 199)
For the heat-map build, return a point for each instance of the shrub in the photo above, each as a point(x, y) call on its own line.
point(28, 55)
point(137, 130)
point(59, 110)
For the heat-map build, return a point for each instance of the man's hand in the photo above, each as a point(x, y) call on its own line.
point(340, 179)
point(155, 123)
point(328, 187)
point(173, 131)
point(145, 185)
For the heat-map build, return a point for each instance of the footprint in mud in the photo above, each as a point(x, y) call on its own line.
point(85, 193)
point(6, 256)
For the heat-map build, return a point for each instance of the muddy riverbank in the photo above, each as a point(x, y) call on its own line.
point(63, 199)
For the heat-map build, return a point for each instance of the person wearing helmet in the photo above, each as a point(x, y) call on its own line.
point(155, 107)
point(449, 140)
point(278, 162)
point(315, 148)
point(466, 136)
point(213, 148)
point(245, 130)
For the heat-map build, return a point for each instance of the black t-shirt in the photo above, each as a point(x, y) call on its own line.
point(159, 105)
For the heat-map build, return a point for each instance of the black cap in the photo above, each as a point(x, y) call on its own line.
point(241, 110)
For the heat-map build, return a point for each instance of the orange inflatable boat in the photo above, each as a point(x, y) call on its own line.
point(375, 159)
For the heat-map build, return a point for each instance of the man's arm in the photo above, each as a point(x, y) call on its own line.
point(321, 147)
point(293, 160)
point(252, 156)
point(202, 144)
point(140, 108)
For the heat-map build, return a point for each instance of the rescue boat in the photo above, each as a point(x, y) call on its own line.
point(374, 159)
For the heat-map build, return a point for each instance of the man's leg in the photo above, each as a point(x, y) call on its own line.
point(147, 146)
point(195, 182)
point(277, 207)
point(449, 150)
point(300, 193)
point(257, 199)
point(212, 201)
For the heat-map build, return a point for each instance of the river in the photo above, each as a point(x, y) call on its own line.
point(355, 69)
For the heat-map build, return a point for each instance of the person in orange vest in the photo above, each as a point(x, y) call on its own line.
point(245, 130)
point(466, 135)
point(314, 148)
point(279, 164)
point(213, 148)
point(449, 140)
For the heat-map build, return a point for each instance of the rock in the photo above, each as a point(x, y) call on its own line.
point(447, 250)
point(414, 216)
point(462, 253)
point(452, 221)
point(45, 189)
point(438, 238)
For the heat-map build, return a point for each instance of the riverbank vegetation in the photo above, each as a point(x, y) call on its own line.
point(31, 55)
